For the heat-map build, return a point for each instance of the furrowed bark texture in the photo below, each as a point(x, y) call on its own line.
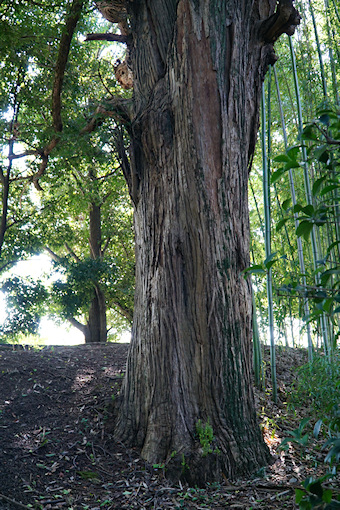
point(198, 68)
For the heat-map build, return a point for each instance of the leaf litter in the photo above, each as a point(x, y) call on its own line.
point(57, 453)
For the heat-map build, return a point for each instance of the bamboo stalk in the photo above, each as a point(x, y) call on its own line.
point(296, 221)
point(266, 196)
point(308, 193)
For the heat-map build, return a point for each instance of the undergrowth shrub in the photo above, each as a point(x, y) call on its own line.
point(317, 384)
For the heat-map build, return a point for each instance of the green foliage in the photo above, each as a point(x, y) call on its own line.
point(314, 495)
point(25, 304)
point(318, 383)
point(74, 293)
point(296, 436)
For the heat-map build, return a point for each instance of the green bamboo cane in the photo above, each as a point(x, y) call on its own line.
point(336, 10)
point(308, 192)
point(296, 220)
point(322, 69)
point(257, 354)
point(331, 57)
point(268, 246)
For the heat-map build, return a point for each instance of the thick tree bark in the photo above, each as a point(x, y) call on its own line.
point(198, 69)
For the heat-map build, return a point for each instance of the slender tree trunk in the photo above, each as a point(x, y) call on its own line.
point(198, 68)
point(96, 325)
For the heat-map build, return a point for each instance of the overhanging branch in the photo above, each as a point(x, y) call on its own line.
point(283, 21)
point(116, 108)
point(62, 58)
point(108, 37)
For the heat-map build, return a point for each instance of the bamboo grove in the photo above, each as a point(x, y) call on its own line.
point(294, 198)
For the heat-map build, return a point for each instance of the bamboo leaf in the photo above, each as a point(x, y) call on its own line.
point(329, 188)
point(280, 224)
point(317, 428)
point(286, 204)
point(275, 176)
point(304, 229)
point(308, 210)
point(317, 185)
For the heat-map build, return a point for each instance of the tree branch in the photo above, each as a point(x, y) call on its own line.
point(71, 252)
point(53, 255)
point(31, 152)
point(78, 325)
point(116, 107)
point(62, 58)
point(283, 21)
point(108, 37)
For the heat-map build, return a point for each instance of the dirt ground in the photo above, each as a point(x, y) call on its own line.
point(56, 452)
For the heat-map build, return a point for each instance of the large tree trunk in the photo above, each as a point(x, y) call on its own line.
point(198, 68)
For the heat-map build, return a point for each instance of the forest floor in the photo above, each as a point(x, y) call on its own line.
point(56, 451)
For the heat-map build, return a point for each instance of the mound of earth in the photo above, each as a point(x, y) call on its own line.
point(56, 452)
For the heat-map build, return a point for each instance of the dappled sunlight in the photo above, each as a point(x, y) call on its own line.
point(83, 378)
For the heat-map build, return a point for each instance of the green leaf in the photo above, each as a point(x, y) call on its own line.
point(286, 204)
point(297, 208)
point(308, 210)
point(304, 229)
point(309, 134)
point(327, 275)
point(299, 495)
point(282, 158)
point(327, 496)
point(321, 153)
point(293, 152)
point(329, 188)
point(316, 488)
point(291, 164)
point(275, 176)
point(280, 224)
point(256, 269)
point(317, 185)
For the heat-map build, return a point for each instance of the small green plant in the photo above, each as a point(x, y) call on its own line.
point(314, 495)
point(296, 436)
point(206, 437)
point(158, 466)
point(184, 464)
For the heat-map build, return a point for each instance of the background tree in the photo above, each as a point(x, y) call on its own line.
point(80, 183)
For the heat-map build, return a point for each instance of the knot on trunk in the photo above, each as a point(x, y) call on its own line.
point(124, 75)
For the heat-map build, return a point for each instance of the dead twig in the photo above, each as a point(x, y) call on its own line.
point(13, 502)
